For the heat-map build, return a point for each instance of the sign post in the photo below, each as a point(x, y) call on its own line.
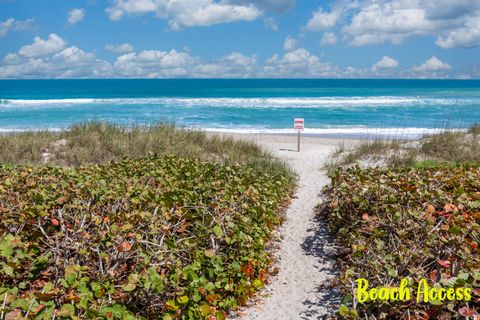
point(299, 125)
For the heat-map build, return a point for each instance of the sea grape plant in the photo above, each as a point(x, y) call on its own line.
point(406, 223)
point(167, 237)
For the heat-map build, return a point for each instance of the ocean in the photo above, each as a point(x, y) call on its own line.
point(399, 108)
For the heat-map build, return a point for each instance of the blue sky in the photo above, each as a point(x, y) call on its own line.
point(239, 38)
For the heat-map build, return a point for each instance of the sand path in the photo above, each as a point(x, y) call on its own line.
point(306, 252)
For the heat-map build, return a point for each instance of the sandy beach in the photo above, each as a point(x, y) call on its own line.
point(305, 250)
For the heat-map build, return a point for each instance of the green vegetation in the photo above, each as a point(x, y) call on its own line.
point(448, 147)
point(409, 223)
point(152, 222)
point(96, 142)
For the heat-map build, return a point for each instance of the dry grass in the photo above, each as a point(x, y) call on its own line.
point(448, 147)
point(94, 142)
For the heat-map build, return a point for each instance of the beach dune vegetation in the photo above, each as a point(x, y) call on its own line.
point(444, 148)
point(181, 233)
point(397, 223)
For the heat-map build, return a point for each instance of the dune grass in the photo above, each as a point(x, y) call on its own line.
point(445, 148)
point(97, 143)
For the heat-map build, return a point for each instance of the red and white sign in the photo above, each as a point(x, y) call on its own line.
point(299, 124)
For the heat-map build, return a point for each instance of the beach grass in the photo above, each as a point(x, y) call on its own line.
point(96, 143)
point(444, 148)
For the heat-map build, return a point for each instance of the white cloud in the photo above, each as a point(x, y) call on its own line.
point(154, 64)
point(121, 48)
point(466, 37)
point(76, 15)
point(238, 59)
point(270, 23)
point(185, 13)
point(298, 63)
point(328, 39)
point(41, 47)
point(385, 63)
point(454, 24)
point(447, 9)
point(70, 62)
point(279, 6)
point(289, 44)
point(433, 64)
point(322, 20)
point(382, 22)
point(14, 25)
point(233, 65)
point(73, 55)
point(171, 64)
point(50, 58)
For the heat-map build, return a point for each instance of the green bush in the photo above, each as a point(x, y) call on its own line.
point(407, 223)
point(157, 237)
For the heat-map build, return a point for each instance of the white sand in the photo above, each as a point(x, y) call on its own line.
point(306, 253)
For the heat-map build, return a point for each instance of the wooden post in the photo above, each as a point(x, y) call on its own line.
point(298, 141)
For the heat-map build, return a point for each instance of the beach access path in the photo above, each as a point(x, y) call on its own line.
point(306, 250)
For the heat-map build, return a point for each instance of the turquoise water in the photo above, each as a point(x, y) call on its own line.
point(329, 107)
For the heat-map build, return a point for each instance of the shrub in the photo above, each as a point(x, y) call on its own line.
point(406, 223)
point(157, 237)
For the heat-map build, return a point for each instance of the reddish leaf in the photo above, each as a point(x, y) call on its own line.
point(248, 269)
point(466, 312)
point(38, 309)
point(450, 207)
point(55, 222)
point(212, 298)
point(126, 246)
point(433, 275)
point(182, 228)
point(61, 200)
point(263, 275)
point(444, 263)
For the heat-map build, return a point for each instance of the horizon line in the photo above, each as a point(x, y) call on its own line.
point(387, 79)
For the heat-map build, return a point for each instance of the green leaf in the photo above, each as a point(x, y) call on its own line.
point(344, 311)
point(257, 283)
point(455, 230)
point(217, 230)
point(182, 299)
point(205, 310)
point(6, 247)
point(392, 273)
point(67, 310)
point(129, 287)
point(171, 305)
point(8, 270)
